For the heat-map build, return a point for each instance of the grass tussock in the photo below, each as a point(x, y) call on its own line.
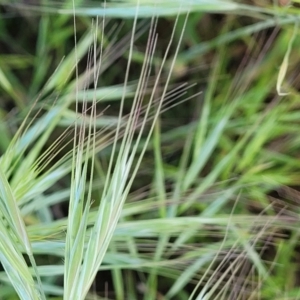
point(149, 150)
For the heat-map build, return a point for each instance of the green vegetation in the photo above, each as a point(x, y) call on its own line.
point(149, 150)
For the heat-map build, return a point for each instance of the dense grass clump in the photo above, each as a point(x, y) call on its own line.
point(149, 150)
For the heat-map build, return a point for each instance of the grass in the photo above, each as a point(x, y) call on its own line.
point(149, 155)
